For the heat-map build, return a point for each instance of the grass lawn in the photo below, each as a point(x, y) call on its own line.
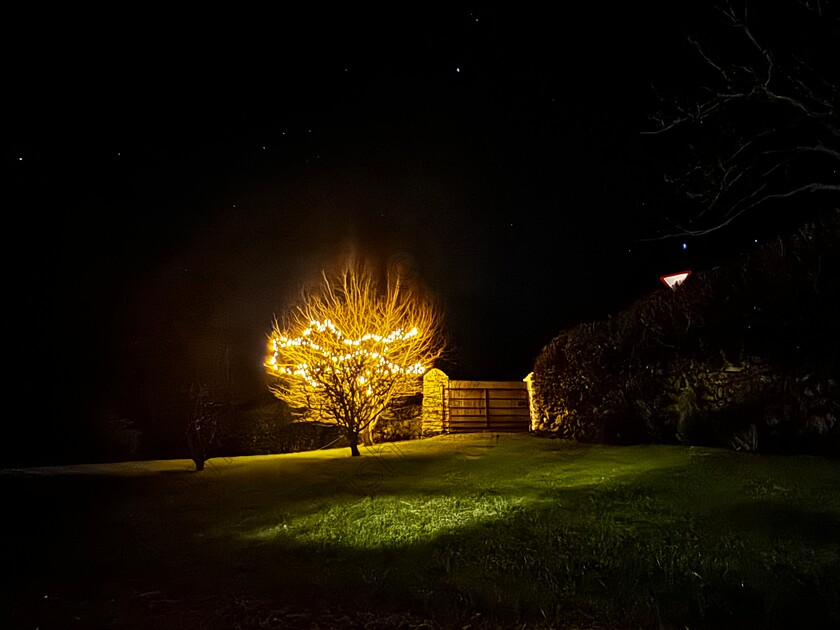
point(446, 532)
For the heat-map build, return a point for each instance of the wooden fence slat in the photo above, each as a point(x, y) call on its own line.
point(479, 406)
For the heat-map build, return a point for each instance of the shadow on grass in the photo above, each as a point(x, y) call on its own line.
point(593, 539)
point(772, 520)
point(495, 570)
point(614, 554)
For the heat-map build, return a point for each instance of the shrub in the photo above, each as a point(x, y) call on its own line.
point(739, 355)
point(403, 421)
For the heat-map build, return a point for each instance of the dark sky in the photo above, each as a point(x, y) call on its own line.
point(176, 178)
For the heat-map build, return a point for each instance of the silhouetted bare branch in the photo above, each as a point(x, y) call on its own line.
point(762, 130)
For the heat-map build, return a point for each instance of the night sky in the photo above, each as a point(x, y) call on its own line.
point(175, 179)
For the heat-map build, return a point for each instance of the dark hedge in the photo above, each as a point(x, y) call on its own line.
point(742, 355)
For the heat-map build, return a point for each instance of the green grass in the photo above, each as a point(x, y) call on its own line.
point(448, 532)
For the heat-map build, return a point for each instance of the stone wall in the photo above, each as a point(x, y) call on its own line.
point(532, 405)
point(434, 386)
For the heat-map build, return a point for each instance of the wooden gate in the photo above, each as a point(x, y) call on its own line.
point(492, 406)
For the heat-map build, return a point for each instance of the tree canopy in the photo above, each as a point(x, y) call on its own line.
point(353, 346)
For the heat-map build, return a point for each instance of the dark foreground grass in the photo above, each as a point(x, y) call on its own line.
point(447, 532)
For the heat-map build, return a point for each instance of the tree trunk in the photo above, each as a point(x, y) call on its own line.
point(199, 463)
point(353, 438)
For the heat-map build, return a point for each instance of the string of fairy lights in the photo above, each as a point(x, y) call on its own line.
point(378, 363)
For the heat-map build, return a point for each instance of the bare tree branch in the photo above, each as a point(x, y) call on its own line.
point(763, 127)
point(682, 231)
point(350, 350)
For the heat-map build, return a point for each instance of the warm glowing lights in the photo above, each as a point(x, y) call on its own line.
point(367, 352)
point(349, 351)
point(327, 325)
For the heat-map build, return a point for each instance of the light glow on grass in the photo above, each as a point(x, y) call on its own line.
point(518, 529)
point(382, 522)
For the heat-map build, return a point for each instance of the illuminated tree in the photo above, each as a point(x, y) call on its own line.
point(352, 348)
